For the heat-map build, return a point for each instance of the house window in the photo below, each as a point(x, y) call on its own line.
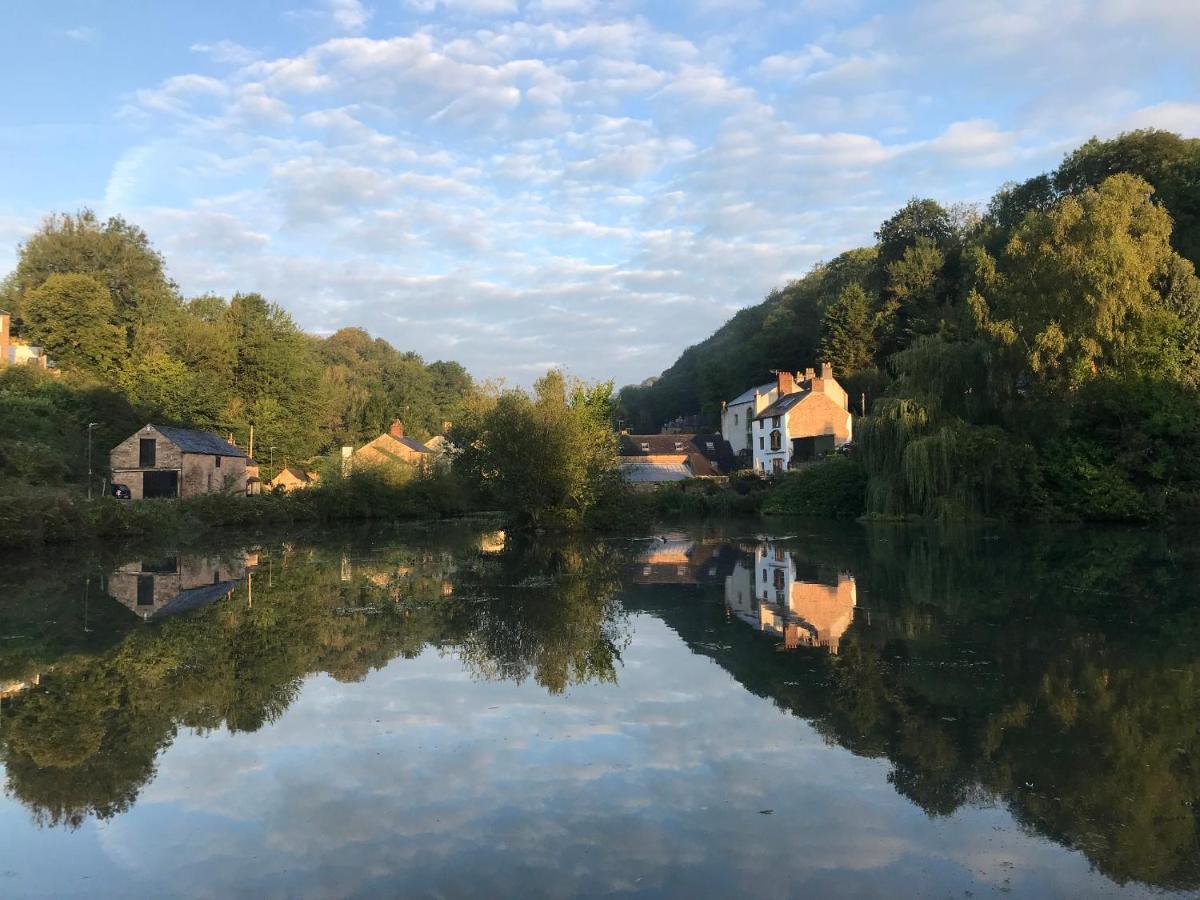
point(777, 465)
point(778, 580)
point(776, 440)
point(678, 446)
point(217, 461)
point(761, 423)
point(762, 444)
point(778, 554)
point(147, 455)
point(735, 419)
point(775, 421)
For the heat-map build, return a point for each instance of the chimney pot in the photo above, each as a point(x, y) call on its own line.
point(397, 429)
point(810, 374)
point(826, 369)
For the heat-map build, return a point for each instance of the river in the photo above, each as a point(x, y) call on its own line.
point(762, 709)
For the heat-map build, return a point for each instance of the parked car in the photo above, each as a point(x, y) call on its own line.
point(120, 491)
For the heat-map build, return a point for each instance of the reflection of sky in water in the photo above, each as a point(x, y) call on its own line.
point(420, 780)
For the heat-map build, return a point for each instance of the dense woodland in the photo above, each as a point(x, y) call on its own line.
point(96, 295)
point(1039, 357)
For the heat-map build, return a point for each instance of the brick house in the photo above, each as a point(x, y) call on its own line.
point(393, 447)
point(810, 416)
point(162, 461)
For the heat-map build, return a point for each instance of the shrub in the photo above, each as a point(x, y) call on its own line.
point(833, 488)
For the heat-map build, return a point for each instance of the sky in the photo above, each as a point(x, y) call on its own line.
point(527, 184)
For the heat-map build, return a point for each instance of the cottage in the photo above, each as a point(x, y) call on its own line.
point(394, 447)
point(650, 459)
point(163, 461)
point(737, 418)
point(810, 416)
point(291, 479)
point(800, 606)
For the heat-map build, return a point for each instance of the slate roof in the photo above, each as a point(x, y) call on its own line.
point(654, 472)
point(783, 404)
point(193, 598)
point(708, 454)
point(748, 396)
point(190, 441)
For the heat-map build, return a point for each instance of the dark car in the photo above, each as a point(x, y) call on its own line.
point(120, 491)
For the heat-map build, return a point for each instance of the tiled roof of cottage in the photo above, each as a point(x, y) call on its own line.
point(783, 404)
point(190, 441)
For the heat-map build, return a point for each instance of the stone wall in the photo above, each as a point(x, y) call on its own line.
point(198, 472)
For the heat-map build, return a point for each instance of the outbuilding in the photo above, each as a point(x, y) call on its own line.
point(163, 461)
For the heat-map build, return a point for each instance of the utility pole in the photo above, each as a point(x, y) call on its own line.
point(91, 425)
point(271, 462)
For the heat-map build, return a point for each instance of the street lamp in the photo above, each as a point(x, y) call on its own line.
point(91, 425)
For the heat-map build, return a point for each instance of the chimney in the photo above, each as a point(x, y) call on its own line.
point(826, 370)
point(397, 430)
point(786, 383)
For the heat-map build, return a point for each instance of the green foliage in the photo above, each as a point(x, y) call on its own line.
point(545, 459)
point(70, 316)
point(96, 296)
point(834, 488)
point(849, 331)
point(116, 253)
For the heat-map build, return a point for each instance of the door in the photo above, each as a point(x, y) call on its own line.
point(160, 484)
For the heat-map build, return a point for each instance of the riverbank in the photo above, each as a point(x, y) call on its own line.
point(33, 516)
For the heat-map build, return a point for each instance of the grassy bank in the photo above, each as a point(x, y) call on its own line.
point(30, 516)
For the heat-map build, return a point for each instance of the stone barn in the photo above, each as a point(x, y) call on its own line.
point(162, 461)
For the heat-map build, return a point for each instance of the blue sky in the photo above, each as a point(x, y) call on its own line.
point(519, 184)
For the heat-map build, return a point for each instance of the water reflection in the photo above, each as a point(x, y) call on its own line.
point(1056, 676)
point(179, 582)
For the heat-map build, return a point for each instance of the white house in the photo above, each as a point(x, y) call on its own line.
point(809, 416)
point(738, 414)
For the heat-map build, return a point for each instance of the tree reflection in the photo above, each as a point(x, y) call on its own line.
point(1056, 673)
point(85, 740)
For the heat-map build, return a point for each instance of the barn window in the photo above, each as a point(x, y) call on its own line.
point(217, 461)
point(147, 453)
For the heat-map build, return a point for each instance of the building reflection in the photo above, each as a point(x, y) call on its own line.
point(772, 591)
point(160, 587)
point(768, 587)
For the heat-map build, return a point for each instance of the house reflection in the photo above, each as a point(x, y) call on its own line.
point(677, 559)
point(770, 590)
point(157, 588)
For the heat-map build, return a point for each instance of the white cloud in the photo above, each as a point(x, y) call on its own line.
point(226, 51)
point(349, 15)
point(1171, 116)
point(84, 34)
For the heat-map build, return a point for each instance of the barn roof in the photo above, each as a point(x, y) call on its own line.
point(190, 441)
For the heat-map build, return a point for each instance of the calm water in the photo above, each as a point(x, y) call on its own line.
point(804, 711)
